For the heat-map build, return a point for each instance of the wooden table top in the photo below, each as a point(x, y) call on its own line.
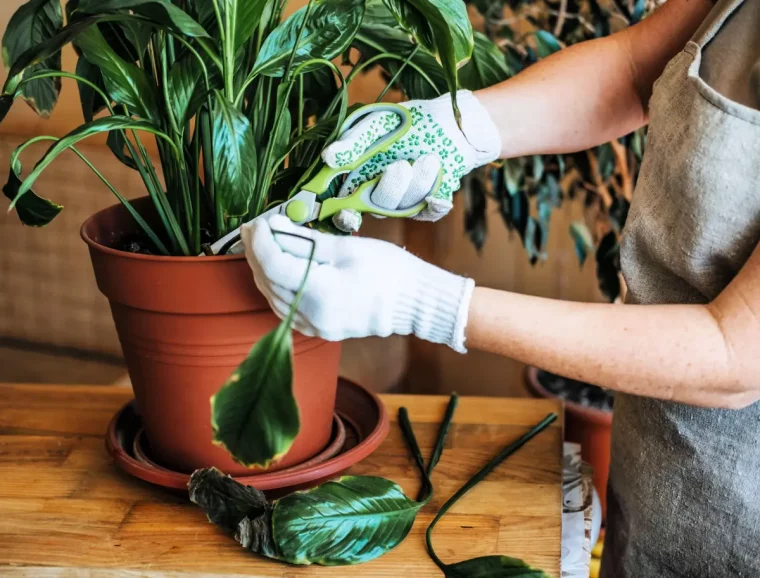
point(67, 511)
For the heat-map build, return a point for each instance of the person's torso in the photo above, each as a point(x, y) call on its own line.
point(684, 495)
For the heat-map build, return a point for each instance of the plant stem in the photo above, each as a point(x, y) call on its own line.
point(477, 478)
point(196, 238)
point(398, 73)
point(426, 491)
point(208, 170)
point(140, 221)
point(229, 56)
point(292, 58)
point(443, 433)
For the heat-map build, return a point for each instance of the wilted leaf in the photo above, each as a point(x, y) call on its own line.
point(234, 158)
point(254, 415)
point(32, 210)
point(350, 520)
point(329, 31)
point(32, 24)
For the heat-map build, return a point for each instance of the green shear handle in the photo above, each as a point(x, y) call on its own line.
point(360, 200)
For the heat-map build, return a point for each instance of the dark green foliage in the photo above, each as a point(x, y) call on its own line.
point(241, 102)
point(527, 190)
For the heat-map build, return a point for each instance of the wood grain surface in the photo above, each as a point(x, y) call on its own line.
point(67, 511)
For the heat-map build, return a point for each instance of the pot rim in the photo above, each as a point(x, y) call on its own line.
point(596, 416)
point(139, 256)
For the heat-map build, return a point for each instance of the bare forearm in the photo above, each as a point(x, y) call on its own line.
point(592, 92)
point(674, 352)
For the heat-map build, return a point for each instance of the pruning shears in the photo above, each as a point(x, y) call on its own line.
point(306, 206)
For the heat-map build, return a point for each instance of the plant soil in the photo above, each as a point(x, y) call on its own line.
point(140, 243)
point(578, 392)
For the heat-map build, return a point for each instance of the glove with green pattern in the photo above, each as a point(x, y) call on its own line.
point(410, 168)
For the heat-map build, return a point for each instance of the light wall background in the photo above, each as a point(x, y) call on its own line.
point(48, 294)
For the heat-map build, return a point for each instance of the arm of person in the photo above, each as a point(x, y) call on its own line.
point(592, 92)
point(704, 355)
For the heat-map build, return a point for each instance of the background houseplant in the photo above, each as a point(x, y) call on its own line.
point(240, 103)
point(527, 190)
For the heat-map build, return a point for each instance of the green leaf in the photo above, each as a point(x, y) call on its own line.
point(234, 158)
point(412, 21)
point(584, 244)
point(488, 566)
point(606, 160)
point(34, 23)
point(254, 415)
point(159, 11)
point(493, 567)
point(40, 53)
point(346, 521)
point(186, 88)
point(244, 16)
point(92, 102)
point(32, 210)
point(638, 11)
point(281, 133)
point(546, 43)
point(487, 66)
point(380, 33)
point(80, 133)
point(127, 84)
point(6, 102)
point(475, 212)
point(117, 143)
point(329, 31)
point(452, 36)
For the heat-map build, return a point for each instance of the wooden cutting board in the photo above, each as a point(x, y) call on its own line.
point(67, 511)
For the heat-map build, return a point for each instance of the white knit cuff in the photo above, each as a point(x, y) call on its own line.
point(434, 307)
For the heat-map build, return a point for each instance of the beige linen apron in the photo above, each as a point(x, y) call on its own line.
point(684, 493)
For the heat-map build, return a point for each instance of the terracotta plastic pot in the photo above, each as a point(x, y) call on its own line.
point(591, 428)
point(185, 323)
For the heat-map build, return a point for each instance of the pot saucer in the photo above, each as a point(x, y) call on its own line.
point(362, 414)
point(141, 448)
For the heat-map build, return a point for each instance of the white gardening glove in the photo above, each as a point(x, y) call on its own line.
point(434, 141)
point(356, 287)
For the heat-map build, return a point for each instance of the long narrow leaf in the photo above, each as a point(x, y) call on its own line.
point(98, 126)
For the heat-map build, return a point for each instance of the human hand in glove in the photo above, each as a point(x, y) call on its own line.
point(411, 166)
point(356, 287)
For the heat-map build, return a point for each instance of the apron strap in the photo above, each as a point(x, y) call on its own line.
point(714, 21)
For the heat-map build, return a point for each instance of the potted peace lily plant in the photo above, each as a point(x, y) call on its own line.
point(240, 101)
